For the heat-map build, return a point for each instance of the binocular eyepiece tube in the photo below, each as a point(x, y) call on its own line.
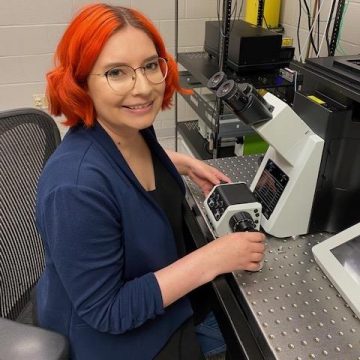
point(242, 98)
point(216, 80)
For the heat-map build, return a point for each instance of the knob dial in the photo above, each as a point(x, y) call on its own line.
point(242, 221)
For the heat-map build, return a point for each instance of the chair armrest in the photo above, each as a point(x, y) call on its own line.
point(25, 342)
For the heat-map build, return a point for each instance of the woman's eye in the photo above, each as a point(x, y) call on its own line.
point(116, 73)
point(152, 65)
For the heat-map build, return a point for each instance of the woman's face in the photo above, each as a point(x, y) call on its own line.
point(135, 108)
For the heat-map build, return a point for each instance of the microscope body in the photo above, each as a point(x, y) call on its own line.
point(285, 182)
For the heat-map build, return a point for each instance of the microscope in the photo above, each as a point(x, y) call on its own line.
point(284, 185)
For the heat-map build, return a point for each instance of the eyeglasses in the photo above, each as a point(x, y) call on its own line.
point(122, 78)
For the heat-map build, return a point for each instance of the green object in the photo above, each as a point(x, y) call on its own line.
point(254, 144)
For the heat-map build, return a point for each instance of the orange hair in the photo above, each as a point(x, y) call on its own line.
point(78, 51)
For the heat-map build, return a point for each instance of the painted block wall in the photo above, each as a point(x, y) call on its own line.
point(30, 30)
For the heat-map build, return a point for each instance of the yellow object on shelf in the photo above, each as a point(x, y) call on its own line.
point(287, 41)
point(271, 12)
point(316, 99)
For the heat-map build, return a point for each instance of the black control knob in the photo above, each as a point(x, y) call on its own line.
point(242, 221)
point(217, 214)
point(211, 203)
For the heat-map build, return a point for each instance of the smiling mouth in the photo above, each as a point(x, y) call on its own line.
point(139, 107)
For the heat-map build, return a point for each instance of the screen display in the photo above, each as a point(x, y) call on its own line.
point(348, 254)
point(270, 187)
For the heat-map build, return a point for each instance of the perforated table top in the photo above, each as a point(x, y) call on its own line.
point(295, 308)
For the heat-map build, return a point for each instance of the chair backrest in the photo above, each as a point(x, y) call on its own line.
point(27, 139)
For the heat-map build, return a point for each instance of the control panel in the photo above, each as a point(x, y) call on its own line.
point(270, 187)
point(232, 207)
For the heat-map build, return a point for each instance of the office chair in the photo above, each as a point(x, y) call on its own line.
point(27, 139)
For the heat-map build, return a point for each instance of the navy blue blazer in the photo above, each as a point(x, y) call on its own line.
point(104, 238)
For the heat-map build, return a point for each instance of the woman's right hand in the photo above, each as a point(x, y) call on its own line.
point(237, 251)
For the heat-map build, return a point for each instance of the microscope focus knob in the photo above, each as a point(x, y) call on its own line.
point(242, 221)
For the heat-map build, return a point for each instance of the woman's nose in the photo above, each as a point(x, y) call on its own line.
point(142, 84)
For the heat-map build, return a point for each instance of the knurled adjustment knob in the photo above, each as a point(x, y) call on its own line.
point(242, 221)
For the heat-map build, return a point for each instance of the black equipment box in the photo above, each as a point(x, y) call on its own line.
point(249, 45)
point(334, 115)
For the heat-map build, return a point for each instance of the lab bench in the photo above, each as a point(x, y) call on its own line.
point(288, 310)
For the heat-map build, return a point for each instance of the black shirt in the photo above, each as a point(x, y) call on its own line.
point(183, 344)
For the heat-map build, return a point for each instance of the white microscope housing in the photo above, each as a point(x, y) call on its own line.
point(285, 182)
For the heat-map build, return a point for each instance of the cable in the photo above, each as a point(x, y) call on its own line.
point(317, 4)
point(309, 25)
point(313, 19)
point(233, 13)
point(265, 21)
point(241, 8)
point(218, 16)
point(312, 27)
point(324, 35)
point(298, 32)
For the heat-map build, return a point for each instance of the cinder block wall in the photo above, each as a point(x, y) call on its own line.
point(30, 30)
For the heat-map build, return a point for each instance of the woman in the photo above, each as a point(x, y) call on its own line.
point(109, 200)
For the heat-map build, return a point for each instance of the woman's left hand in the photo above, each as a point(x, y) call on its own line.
point(204, 175)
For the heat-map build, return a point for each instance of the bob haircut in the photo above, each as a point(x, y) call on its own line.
point(78, 51)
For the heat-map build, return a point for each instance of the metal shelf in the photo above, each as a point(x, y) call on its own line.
point(199, 68)
point(203, 102)
point(197, 144)
point(200, 65)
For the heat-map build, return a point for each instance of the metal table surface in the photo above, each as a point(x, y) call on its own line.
point(293, 307)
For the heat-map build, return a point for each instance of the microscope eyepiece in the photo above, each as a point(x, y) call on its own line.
point(245, 102)
point(226, 90)
point(216, 80)
point(242, 98)
point(234, 94)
